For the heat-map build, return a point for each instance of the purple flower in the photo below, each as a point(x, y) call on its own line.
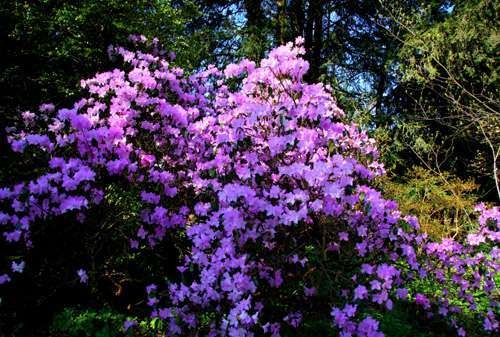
point(294, 319)
point(201, 209)
point(4, 278)
point(369, 328)
point(82, 274)
point(164, 313)
point(13, 236)
point(73, 203)
point(17, 267)
point(367, 268)
point(475, 239)
point(490, 324)
point(151, 288)
point(339, 317)
point(28, 117)
point(151, 198)
point(277, 280)
point(350, 310)
point(343, 236)
point(47, 107)
point(141, 233)
point(402, 293)
point(134, 244)
point(360, 292)
point(423, 301)
point(309, 291)
point(128, 324)
point(245, 174)
point(386, 272)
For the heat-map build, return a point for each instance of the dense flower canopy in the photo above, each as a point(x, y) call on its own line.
point(269, 187)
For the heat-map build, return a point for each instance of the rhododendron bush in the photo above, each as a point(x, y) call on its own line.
point(268, 189)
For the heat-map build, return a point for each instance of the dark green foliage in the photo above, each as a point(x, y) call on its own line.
point(404, 321)
point(48, 46)
point(87, 323)
point(448, 98)
point(443, 203)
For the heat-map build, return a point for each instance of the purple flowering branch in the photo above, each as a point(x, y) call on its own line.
point(267, 182)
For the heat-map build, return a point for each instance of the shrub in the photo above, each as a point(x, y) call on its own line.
point(263, 190)
point(442, 203)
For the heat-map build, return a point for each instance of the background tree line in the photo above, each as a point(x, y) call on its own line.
point(421, 74)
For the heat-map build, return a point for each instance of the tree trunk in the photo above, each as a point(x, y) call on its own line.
point(314, 38)
point(296, 15)
point(255, 29)
point(254, 13)
point(281, 22)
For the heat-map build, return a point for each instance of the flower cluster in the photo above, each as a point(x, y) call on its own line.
point(267, 182)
